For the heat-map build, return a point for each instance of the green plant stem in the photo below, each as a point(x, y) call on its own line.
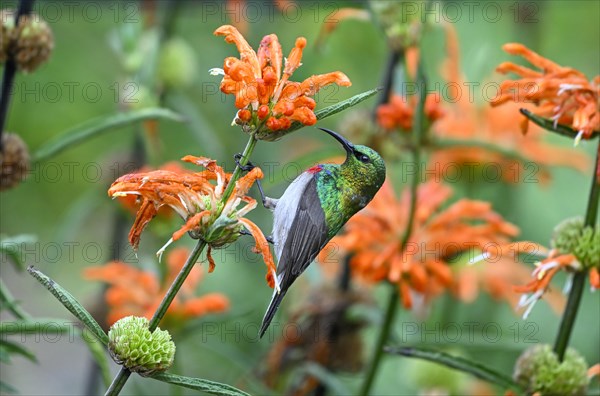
point(568, 319)
point(418, 136)
point(10, 70)
point(11, 304)
point(176, 285)
point(121, 378)
point(118, 382)
point(238, 170)
point(390, 314)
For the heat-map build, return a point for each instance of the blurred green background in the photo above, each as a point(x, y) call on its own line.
point(64, 201)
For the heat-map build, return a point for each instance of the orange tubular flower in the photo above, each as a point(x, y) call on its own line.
point(132, 204)
point(198, 202)
point(260, 82)
point(561, 93)
point(136, 292)
point(420, 268)
point(398, 112)
point(499, 275)
point(545, 270)
point(466, 122)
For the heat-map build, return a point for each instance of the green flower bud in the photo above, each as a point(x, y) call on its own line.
point(131, 344)
point(34, 42)
point(177, 64)
point(138, 97)
point(438, 379)
point(402, 29)
point(14, 161)
point(571, 236)
point(538, 370)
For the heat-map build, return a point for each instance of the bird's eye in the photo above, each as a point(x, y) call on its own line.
point(362, 158)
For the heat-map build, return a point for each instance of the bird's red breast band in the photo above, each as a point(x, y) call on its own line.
point(315, 169)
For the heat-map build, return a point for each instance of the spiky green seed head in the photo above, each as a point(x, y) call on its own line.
point(571, 236)
point(538, 370)
point(132, 345)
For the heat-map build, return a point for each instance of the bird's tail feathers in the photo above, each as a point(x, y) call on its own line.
point(275, 301)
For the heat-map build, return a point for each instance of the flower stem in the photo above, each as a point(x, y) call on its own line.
point(394, 57)
point(568, 319)
point(176, 285)
point(10, 70)
point(238, 169)
point(118, 382)
point(121, 378)
point(418, 136)
point(390, 314)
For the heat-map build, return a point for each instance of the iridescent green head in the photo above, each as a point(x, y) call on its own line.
point(364, 168)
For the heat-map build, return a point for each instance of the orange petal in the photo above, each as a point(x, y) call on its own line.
point(269, 54)
point(313, 84)
point(211, 261)
point(531, 56)
point(209, 303)
point(263, 246)
point(247, 54)
point(593, 371)
point(295, 56)
point(595, 278)
point(146, 213)
point(405, 295)
point(192, 223)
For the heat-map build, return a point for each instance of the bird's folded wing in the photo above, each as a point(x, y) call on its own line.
point(306, 237)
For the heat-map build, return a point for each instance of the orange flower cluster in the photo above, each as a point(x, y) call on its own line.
point(136, 292)
point(545, 271)
point(489, 134)
point(561, 93)
point(399, 111)
point(131, 202)
point(260, 83)
point(498, 275)
point(199, 202)
point(420, 268)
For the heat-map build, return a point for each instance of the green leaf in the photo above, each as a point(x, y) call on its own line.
point(9, 302)
point(549, 125)
point(213, 388)
point(34, 326)
point(458, 363)
point(11, 246)
point(99, 355)
point(14, 348)
point(6, 388)
point(345, 104)
point(70, 303)
point(321, 114)
point(100, 125)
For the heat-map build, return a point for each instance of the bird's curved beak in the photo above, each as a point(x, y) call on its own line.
point(349, 147)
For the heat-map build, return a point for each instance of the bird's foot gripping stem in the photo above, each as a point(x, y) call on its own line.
point(268, 238)
point(267, 202)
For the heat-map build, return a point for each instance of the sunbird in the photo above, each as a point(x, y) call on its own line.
point(314, 208)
